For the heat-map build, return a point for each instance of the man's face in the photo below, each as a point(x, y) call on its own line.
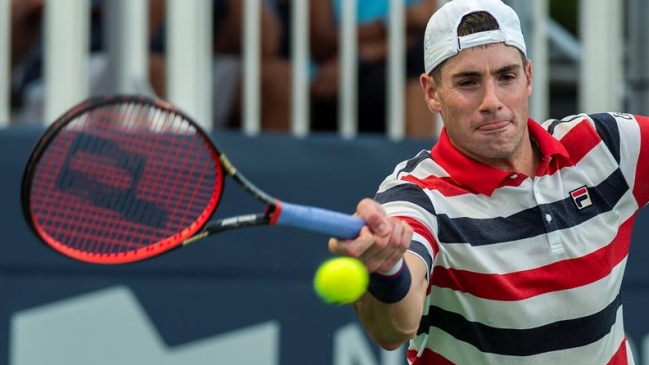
point(483, 98)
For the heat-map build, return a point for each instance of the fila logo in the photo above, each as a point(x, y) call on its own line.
point(581, 197)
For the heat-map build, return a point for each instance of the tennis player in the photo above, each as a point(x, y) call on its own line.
point(510, 237)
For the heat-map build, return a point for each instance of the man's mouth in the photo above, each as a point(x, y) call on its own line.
point(493, 126)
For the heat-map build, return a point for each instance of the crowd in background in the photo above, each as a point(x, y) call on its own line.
point(275, 71)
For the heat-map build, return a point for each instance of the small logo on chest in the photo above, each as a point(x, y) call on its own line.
point(581, 198)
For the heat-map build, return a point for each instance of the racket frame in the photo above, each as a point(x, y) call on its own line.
point(197, 231)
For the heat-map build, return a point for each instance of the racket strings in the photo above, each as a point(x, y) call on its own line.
point(124, 177)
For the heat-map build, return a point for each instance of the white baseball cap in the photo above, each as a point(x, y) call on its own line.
point(441, 41)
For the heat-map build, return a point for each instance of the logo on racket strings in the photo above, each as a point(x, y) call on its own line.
point(97, 170)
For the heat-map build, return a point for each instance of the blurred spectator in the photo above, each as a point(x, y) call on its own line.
point(227, 48)
point(27, 46)
point(372, 18)
point(26, 18)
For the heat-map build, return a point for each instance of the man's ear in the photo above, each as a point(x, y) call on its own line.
point(429, 87)
point(528, 75)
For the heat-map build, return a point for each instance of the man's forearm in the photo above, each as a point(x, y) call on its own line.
point(390, 325)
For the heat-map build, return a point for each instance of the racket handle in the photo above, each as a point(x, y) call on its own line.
point(320, 220)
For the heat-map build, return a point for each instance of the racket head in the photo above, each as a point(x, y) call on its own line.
point(121, 178)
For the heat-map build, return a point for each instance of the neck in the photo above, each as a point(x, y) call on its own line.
point(526, 161)
point(533, 160)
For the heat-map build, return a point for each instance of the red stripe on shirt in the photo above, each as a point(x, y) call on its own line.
point(422, 230)
point(582, 138)
point(428, 357)
point(446, 186)
point(641, 184)
point(562, 275)
point(620, 357)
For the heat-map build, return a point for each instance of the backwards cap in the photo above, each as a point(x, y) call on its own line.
point(441, 41)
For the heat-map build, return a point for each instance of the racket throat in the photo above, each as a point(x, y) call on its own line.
point(274, 211)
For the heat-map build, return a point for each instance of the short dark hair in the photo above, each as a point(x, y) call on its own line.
point(480, 21)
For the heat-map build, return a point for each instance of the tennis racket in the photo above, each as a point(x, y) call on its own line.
point(124, 178)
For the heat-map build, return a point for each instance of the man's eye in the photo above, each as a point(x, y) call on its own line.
point(466, 83)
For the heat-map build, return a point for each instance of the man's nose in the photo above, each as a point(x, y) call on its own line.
point(490, 99)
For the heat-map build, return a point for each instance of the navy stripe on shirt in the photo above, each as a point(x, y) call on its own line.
point(530, 223)
point(555, 336)
point(419, 249)
point(406, 193)
point(608, 130)
point(413, 162)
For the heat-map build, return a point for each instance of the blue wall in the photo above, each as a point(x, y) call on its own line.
point(202, 299)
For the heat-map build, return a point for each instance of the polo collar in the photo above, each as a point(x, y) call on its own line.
point(483, 178)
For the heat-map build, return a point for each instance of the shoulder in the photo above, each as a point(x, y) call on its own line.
point(410, 178)
point(404, 169)
point(598, 121)
point(405, 185)
point(410, 165)
point(611, 128)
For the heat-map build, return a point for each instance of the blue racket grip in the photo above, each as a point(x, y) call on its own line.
point(328, 222)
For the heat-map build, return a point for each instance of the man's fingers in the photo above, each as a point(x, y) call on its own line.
point(381, 243)
point(400, 240)
point(353, 248)
point(386, 251)
point(374, 216)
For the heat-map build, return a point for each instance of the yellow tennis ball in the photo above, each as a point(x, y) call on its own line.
point(341, 280)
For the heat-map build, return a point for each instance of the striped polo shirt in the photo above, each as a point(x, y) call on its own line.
point(526, 270)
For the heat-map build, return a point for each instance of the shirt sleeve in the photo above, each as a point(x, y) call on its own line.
point(627, 138)
point(410, 203)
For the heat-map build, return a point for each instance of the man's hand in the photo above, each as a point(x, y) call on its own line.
point(381, 243)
